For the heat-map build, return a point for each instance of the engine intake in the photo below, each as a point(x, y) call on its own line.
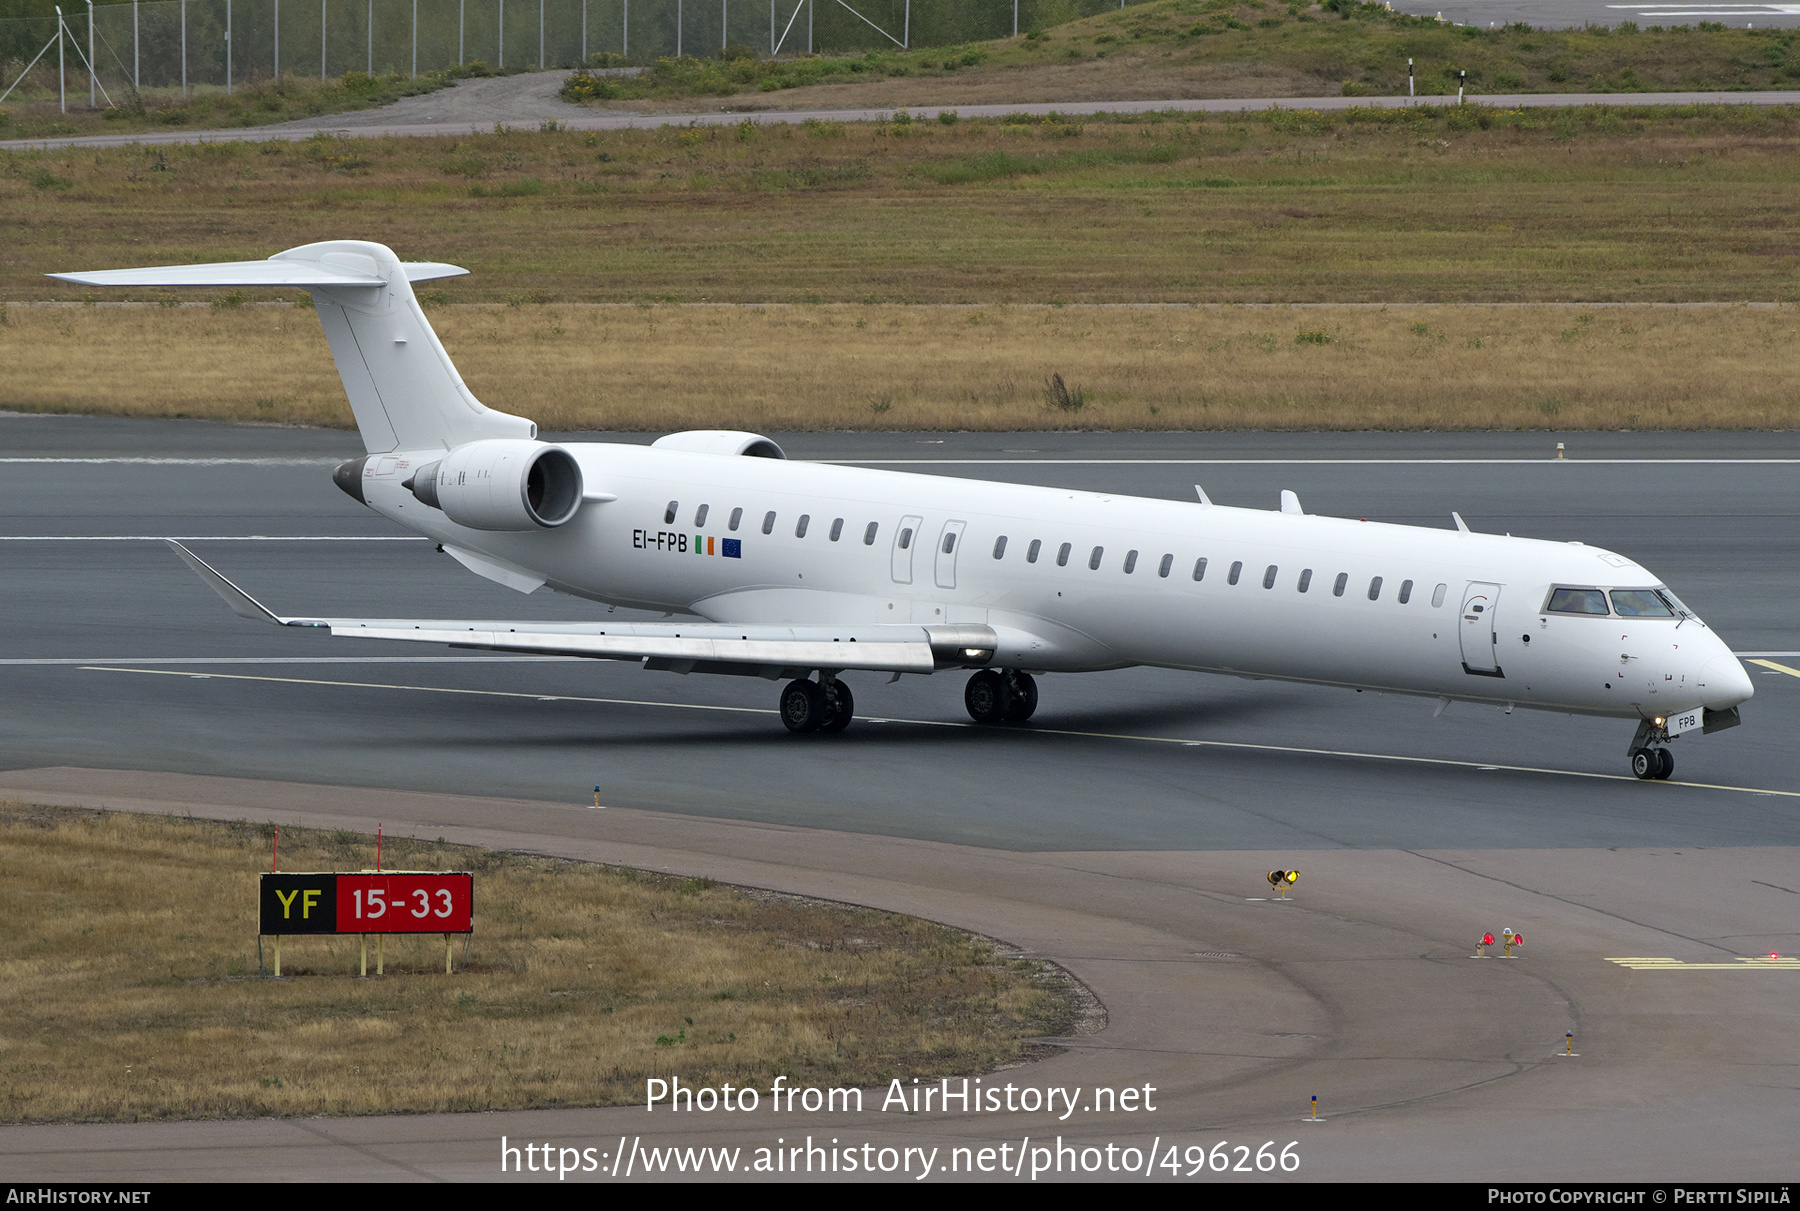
point(502, 484)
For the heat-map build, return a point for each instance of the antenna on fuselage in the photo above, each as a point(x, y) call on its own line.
point(1201, 493)
point(1460, 523)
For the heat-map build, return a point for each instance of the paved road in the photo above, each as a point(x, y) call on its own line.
point(1123, 834)
point(1563, 14)
point(531, 108)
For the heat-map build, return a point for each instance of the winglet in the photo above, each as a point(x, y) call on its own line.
point(1460, 523)
point(241, 603)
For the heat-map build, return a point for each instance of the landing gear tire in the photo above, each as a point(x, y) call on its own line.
point(988, 697)
point(1653, 763)
point(803, 706)
point(840, 705)
point(1024, 697)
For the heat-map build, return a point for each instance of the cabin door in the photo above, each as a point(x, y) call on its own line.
point(948, 543)
point(1477, 628)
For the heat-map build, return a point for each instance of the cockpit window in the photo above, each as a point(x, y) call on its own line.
point(1675, 604)
point(1577, 601)
point(1640, 603)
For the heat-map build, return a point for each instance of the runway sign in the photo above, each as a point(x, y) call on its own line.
point(399, 901)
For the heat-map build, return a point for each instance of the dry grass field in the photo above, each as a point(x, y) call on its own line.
point(662, 367)
point(129, 986)
point(1424, 205)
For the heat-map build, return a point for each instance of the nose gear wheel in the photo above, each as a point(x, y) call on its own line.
point(1653, 764)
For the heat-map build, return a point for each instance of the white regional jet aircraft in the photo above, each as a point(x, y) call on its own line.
point(802, 572)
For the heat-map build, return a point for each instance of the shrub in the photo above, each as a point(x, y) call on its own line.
point(584, 86)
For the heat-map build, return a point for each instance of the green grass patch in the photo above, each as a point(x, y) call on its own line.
point(1600, 203)
point(1355, 49)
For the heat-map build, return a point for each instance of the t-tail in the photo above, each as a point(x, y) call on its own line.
point(402, 386)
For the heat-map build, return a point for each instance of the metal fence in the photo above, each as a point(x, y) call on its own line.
point(187, 44)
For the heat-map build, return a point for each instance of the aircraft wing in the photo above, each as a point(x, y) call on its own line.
point(683, 647)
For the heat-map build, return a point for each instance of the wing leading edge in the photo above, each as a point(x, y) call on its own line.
point(700, 647)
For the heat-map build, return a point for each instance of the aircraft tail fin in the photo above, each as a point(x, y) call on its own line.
point(403, 389)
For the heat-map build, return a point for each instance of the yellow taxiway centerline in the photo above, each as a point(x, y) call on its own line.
point(1239, 745)
point(1779, 668)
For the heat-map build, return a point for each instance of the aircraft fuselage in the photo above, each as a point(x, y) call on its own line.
point(1079, 581)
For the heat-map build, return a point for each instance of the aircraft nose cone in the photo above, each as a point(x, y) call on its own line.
point(1726, 682)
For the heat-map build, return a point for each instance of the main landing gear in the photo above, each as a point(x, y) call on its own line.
point(817, 706)
point(1000, 696)
point(1649, 759)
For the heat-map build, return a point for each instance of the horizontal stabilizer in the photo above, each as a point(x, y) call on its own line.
point(272, 272)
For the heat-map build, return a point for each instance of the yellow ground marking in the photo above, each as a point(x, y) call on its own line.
point(1238, 745)
point(1779, 668)
point(1737, 964)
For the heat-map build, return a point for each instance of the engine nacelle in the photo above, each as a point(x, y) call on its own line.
point(502, 484)
point(720, 441)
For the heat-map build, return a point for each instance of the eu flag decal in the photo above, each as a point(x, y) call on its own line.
point(734, 548)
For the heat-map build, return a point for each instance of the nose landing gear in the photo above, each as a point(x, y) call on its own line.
point(1649, 759)
point(1001, 696)
point(1648, 763)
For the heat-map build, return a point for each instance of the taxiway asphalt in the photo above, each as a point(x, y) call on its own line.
point(1123, 834)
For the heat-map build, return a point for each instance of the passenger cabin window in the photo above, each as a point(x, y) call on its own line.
point(1130, 562)
point(1269, 577)
point(1338, 586)
point(700, 516)
point(1162, 569)
point(1405, 591)
point(1640, 603)
point(837, 529)
point(1375, 589)
point(869, 534)
point(800, 526)
point(1237, 570)
point(769, 522)
point(1437, 596)
point(669, 513)
point(1000, 547)
point(737, 515)
point(1062, 555)
point(1577, 601)
point(1031, 552)
point(1094, 559)
point(949, 543)
point(1305, 580)
point(1200, 568)
point(906, 538)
